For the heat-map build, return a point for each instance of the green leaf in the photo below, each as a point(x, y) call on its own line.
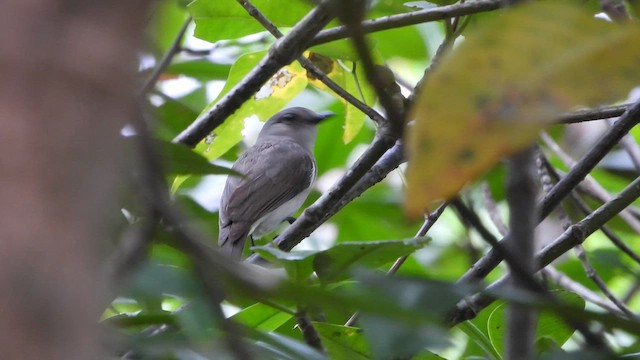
point(550, 326)
point(297, 264)
point(226, 19)
point(167, 20)
point(480, 338)
point(283, 347)
point(356, 83)
point(351, 77)
point(148, 290)
point(343, 342)
point(180, 159)
point(174, 115)
point(262, 317)
point(200, 69)
point(335, 263)
point(412, 46)
point(274, 95)
point(391, 339)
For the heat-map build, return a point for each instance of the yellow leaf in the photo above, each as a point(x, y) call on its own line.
point(286, 84)
point(354, 82)
point(492, 95)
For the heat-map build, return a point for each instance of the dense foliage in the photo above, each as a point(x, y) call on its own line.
point(334, 295)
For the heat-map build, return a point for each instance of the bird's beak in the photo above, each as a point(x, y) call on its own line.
point(324, 115)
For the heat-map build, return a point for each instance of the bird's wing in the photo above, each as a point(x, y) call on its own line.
point(265, 186)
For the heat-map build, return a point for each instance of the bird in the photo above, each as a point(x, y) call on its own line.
point(276, 176)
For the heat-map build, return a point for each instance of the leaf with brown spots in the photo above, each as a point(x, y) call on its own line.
point(491, 95)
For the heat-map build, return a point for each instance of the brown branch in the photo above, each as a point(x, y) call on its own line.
point(430, 219)
point(582, 206)
point(309, 333)
point(569, 284)
point(629, 119)
point(280, 54)
point(592, 274)
point(166, 59)
point(310, 67)
point(411, 18)
point(574, 235)
point(600, 113)
point(590, 184)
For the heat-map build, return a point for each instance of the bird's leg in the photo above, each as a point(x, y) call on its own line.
point(290, 219)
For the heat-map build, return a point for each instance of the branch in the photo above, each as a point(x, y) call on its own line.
point(617, 242)
point(593, 114)
point(630, 145)
point(567, 283)
point(310, 67)
point(574, 235)
point(430, 219)
point(590, 184)
point(280, 54)
point(166, 59)
point(626, 122)
point(410, 18)
point(521, 196)
point(582, 206)
point(322, 209)
point(488, 262)
point(593, 276)
point(381, 78)
point(309, 333)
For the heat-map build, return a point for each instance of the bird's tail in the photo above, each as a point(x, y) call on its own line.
point(232, 238)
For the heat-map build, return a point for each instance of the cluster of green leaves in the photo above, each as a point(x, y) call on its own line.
point(164, 311)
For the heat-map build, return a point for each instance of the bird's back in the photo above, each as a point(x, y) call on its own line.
point(265, 187)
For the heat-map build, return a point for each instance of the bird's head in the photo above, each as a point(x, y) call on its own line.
point(297, 124)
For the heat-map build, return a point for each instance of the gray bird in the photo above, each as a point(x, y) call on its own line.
point(279, 171)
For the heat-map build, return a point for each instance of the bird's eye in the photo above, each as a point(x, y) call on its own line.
point(288, 116)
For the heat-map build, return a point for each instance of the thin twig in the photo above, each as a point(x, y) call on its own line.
point(429, 220)
point(593, 276)
point(590, 184)
point(309, 66)
point(380, 78)
point(629, 119)
point(410, 18)
point(166, 59)
point(584, 208)
point(280, 54)
point(574, 235)
point(130, 252)
point(593, 114)
point(492, 208)
point(630, 145)
point(631, 292)
point(569, 284)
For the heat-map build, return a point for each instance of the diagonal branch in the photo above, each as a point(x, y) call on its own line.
point(410, 18)
point(627, 121)
point(310, 67)
point(283, 52)
point(166, 59)
point(574, 235)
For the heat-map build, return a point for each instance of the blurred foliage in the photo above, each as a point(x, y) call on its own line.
point(162, 310)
